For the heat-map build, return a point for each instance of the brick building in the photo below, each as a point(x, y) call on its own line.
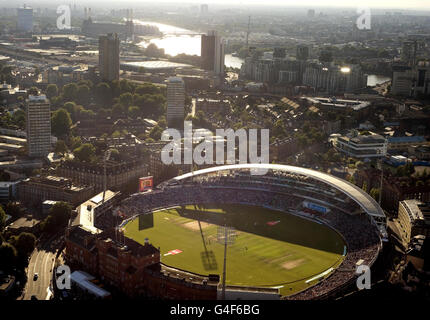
point(87, 127)
point(414, 219)
point(394, 189)
point(34, 191)
point(162, 172)
point(119, 174)
point(212, 105)
point(280, 150)
point(133, 268)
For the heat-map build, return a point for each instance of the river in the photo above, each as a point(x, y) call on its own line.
point(373, 79)
point(178, 40)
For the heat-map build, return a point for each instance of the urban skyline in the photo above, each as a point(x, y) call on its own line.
point(381, 4)
point(228, 151)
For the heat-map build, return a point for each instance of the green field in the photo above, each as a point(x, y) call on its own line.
point(283, 255)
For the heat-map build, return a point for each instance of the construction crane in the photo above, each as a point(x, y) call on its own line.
point(381, 182)
point(248, 32)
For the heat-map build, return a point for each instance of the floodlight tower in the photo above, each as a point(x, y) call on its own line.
point(381, 183)
point(227, 234)
point(247, 32)
point(225, 263)
point(106, 158)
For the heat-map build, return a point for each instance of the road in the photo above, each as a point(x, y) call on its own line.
point(41, 262)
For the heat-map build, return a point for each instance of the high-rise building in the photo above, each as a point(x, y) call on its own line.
point(25, 19)
point(411, 80)
point(409, 52)
point(334, 79)
point(311, 13)
point(302, 52)
point(212, 52)
point(109, 57)
point(204, 9)
point(279, 53)
point(38, 126)
point(175, 100)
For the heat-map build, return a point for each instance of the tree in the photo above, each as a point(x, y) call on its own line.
point(351, 179)
point(18, 118)
point(85, 152)
point(2, 218)
point(61, 213)
point(153, 51)
point(156, 132)
point(33, 91)
point(8, 256)
point(83, 94)
point(104, 113)
point(374, 193)
point(71, 108)
point(125, 86)
point(56, 101)
point(126, 99)
point(147, 88)
point(86, 114)
point(162, 122)
point(51, 91)
point(133, 112)
point(60, 147)
point(116, 134)
point(87, 83)
point(13, 209)
point(74, 142)
point(406, 170)
point(61, 122)
point(117, 110)
point(48, 224)
point(24, 243)
point(103, 94)
point(70, 92)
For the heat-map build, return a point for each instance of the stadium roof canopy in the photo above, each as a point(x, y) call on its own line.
point(83, 280)
point(364, 200)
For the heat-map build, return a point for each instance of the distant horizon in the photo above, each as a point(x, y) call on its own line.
point(305, 4)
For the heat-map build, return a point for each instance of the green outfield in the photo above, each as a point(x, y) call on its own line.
point(269, 248)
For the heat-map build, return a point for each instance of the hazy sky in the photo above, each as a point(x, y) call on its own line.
point(338, 3)
point(398, 4)
point(401, 4)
